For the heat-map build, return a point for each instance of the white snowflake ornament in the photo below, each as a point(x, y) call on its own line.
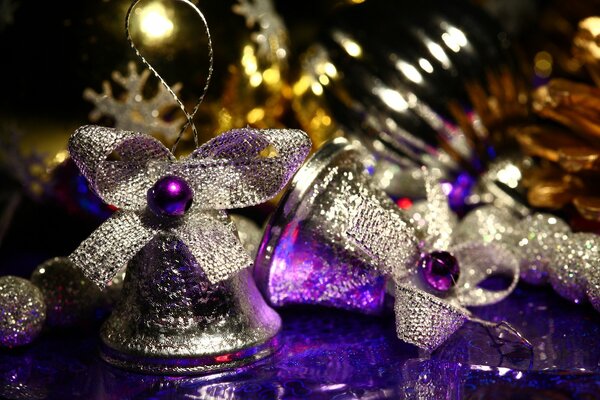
point(133, 112)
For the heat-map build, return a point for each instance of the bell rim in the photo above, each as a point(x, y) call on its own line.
point(294, 197)
point(191, 365)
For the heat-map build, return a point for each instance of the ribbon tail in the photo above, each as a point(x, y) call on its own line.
point(110, 247)
point(425, 320)
point(479, 261)
point(212, 240)
point(385, 237)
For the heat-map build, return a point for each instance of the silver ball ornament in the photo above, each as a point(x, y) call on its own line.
point(573, 264)
point(538, 238)
point(22, 311)
point(593, 290)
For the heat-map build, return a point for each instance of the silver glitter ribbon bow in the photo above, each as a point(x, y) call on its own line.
point(239, 168)
point(423, 316)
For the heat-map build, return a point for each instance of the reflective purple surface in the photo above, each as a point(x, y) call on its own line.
point(328, 354)
point(304, 271)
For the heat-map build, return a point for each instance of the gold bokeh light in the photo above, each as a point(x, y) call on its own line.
point(155, 22)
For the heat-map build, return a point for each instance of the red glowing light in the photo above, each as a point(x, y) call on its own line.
point(404, 203)
point(224, 358)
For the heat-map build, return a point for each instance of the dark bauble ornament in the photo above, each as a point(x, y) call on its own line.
point(70, 297)
point(420, 83)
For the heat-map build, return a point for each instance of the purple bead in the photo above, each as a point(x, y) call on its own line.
point(439, 270)
point(170, 196)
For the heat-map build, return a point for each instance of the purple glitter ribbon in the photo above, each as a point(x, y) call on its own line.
point(239, 168)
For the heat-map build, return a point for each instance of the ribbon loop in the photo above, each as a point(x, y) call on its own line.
point(479, 261)
point(122, 182)
point(243, 167)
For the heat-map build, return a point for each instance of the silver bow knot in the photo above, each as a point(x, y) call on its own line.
point(424, 316)
point(239, 168)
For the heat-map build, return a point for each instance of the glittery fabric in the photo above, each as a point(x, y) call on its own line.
point(568, 261)
point(574, 263)
point(386, 237)
point(478, 262)
point(22, 311)
point(439, 218)
point(488, 224)
point(547, 250)
point(424, 319)
point(593, 290)
point(237, 169)
point(539, 236)
point(111, 246)
point(70, 297)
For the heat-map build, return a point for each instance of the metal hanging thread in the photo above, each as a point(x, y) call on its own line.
point(189, 116)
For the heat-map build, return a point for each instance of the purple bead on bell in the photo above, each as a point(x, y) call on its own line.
point(170, 196)
point(440, 270)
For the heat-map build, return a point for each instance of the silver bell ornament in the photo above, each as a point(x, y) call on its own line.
point(338, 240)
point(305, 256)
point(188, 304)
point(22, 311)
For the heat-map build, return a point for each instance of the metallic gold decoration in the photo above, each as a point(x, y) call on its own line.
point(308, 104)
point(572, 151)
point(256, 92)
point(586, 46)
point(575, 105)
